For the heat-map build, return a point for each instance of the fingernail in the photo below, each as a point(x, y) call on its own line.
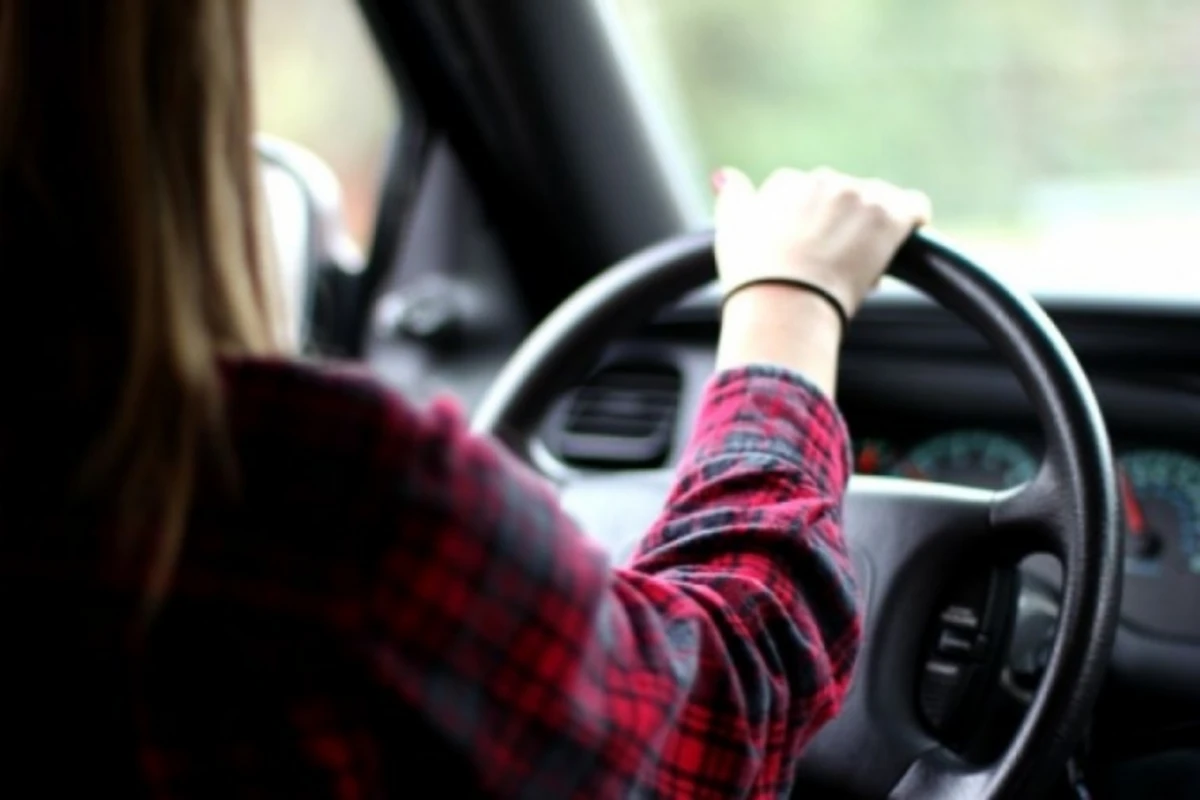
point(718, 179)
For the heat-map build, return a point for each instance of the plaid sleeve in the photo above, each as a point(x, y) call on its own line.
point(699, 671)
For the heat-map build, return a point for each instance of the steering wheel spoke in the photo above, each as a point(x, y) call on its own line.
point(909, 525)
point(1037, 516)
point(905, 537)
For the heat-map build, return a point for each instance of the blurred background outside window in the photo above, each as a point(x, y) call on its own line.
point(321, 83)
point(1059, 139)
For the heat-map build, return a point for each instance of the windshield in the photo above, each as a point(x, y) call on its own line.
point(1059, 139)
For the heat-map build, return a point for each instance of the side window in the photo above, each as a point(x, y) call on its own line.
point(320, 82)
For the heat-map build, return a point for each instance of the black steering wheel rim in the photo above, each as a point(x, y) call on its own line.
point(1070, 509)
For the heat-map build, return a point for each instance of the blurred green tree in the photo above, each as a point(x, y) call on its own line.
point(975, 101)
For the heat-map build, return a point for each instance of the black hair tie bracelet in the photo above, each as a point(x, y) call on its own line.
point(797, 283)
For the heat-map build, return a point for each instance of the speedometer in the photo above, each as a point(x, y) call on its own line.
point(979, 459)
point(1162, 505)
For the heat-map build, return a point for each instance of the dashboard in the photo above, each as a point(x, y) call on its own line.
point(926, 397)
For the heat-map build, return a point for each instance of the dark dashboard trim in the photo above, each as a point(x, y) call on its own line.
point(1141, 334)
point(893, 294)
point(1170, 667)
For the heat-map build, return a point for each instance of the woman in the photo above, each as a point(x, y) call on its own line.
point(232, 573)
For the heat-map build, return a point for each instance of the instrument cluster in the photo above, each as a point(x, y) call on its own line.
point(1160, 487)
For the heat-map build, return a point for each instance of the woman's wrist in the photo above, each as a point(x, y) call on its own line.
point(784, 326)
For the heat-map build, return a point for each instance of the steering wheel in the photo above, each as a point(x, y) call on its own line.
point(905, 537)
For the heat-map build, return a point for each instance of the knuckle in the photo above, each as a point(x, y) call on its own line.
point(844, 192)
point(921, 205)
point(884, 202)
point(876, 209)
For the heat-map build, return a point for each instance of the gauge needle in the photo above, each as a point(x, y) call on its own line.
point(1133, 509)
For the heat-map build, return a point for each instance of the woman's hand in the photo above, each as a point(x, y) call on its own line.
point(827, 229)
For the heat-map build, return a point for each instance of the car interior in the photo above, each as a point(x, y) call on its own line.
point(1025, 510)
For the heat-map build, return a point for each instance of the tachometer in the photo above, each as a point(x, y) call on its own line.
point(980, 459)
point(1162, 505)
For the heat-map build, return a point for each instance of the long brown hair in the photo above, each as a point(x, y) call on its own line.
point(129, 222)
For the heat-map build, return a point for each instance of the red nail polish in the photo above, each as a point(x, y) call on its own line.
point(718, 180)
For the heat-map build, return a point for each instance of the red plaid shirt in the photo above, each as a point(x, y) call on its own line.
point(397, 608)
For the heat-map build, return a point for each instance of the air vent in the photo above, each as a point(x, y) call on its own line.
point(622, 415)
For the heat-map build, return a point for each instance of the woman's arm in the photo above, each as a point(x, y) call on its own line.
point(751, 536)
point(702, 668)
